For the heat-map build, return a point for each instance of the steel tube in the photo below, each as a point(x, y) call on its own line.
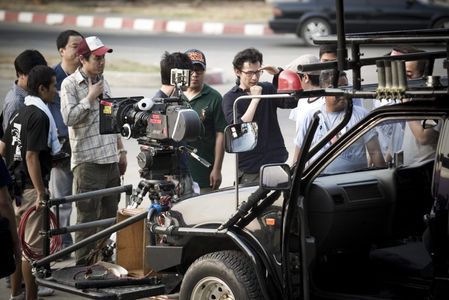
point(402, 75)
point(372, 60)
point(342, 53)
point(380, 74)
point(99, 235)
point(388, 75)
point(79, 227)
point(394, 75)
point(103, 192)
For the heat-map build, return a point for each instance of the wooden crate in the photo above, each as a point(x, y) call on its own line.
point(131, 242)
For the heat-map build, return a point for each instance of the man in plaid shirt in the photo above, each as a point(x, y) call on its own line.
point(97, 160)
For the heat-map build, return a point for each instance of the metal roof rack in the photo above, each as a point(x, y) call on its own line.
point(354, 41)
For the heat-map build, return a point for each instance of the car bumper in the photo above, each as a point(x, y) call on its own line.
point(283, 26)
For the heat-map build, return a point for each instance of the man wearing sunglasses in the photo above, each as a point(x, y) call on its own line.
point(270, 146)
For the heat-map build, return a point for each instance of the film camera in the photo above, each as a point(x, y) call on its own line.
point(161, 126)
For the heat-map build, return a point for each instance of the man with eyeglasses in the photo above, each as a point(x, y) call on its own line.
point(270, 146)
point(331, 114)
point(206, 101)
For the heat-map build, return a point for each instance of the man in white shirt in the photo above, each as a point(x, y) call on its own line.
point(332, 113)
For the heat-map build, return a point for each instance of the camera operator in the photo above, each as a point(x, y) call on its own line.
point(206, 101)
point(97, 160)
point(169, 61)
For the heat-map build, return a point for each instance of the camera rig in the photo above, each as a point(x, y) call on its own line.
point(162, 126)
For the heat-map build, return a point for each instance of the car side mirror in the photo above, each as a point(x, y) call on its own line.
point(240, 137)
point(275, 177)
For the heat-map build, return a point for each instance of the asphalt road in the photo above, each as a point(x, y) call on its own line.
point(147, 49)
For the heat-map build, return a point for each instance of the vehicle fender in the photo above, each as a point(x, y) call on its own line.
point(257, 262)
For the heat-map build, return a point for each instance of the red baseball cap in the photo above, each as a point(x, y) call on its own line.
point(94, 45)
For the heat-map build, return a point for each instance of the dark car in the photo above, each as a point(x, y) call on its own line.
point(312, 18)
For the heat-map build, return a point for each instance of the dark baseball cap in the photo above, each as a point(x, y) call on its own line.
point(197, 57)
point(93, 45)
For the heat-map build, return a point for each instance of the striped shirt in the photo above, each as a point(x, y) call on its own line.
point(83, 119)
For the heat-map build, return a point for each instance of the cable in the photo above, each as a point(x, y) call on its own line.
point(55, 243)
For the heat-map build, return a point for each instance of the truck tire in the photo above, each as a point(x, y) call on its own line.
point(220, 275)
point(313, 27)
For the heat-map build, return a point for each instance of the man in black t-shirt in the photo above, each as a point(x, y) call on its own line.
point(32, 138)
point(270, 144)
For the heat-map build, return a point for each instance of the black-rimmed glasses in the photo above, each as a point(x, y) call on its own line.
point(252, 73)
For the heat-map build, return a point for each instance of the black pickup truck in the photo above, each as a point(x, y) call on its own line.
point(311, 231)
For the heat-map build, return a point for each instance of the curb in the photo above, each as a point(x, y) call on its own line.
point(135, 24)
point(213, 76)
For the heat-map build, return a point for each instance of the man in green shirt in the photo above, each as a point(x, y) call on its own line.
point(206, 101)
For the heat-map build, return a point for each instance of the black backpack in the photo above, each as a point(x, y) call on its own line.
point(16, 169)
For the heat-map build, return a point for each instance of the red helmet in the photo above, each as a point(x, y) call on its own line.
point(289, 82)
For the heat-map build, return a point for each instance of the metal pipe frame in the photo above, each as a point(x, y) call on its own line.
point(83, 196)
point(97, 236)
point(423, 36)
point(355, 64)
point(78, 197)
point(80, 227)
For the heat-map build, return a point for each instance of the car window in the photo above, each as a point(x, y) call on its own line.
point(391, 142)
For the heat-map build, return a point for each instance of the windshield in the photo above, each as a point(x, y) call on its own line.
point(399, 142)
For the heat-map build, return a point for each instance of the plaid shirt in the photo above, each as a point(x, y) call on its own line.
point(83, 117)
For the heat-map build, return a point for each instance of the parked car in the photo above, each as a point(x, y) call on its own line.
point(311, 18)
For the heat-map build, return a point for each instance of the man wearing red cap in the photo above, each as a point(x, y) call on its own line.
point(207, 103)
point(97, 160)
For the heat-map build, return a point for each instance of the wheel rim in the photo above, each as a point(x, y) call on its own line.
point(315, 29)
point(212, 288)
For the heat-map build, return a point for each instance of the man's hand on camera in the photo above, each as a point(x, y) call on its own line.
point(95, 90)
